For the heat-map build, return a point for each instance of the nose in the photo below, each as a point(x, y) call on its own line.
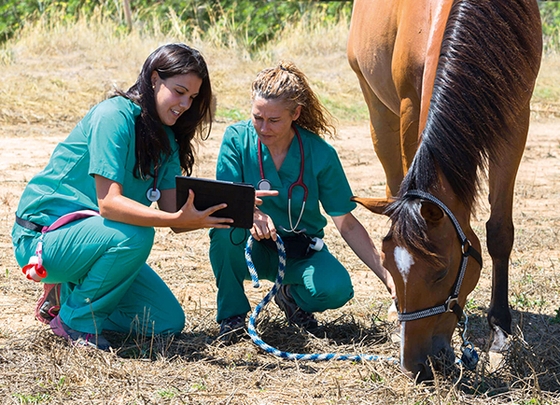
point(416, 367)
point(263, 127)
point(415, 362)
point(422, 372)
point(185, 103)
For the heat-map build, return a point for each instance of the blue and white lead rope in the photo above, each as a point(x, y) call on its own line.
point(253, 318)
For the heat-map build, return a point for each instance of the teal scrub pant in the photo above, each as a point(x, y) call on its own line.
point(317, 282)
point(106, 283)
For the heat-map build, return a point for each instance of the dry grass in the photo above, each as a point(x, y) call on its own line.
point(53, 73)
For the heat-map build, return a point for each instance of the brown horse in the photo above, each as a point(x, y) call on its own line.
point(448, 85)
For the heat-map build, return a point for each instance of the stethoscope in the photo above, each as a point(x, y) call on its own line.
point(265, 184)
point(153, 194)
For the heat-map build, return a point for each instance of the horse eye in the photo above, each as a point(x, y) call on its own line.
point(439, 275)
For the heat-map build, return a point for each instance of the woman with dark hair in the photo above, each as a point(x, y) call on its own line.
point(85, 224)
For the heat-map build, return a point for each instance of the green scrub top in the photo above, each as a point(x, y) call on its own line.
point(323, 175)
point(102, 143)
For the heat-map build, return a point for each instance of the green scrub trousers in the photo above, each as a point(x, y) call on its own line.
point(105, 279)
point(317, 282)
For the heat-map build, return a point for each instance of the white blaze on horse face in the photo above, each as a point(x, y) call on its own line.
point(404, 261)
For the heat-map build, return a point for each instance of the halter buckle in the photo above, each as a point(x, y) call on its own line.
point(450, 303)
point(465, 246)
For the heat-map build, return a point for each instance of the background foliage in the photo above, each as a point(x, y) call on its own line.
point(254, 21)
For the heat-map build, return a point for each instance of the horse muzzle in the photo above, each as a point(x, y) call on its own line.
point(423, 353)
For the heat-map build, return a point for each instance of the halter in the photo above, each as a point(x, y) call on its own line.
point(452, 302)
point(469, 357)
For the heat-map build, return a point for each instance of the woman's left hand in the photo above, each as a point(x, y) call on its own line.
point(264, 193)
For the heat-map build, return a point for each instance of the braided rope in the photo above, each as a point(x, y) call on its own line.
point(253, 318)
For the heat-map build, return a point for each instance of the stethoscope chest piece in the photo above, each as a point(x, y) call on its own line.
point(264, 184)
point(153, 194)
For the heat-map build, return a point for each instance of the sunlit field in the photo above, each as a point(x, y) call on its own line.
point(53, 72)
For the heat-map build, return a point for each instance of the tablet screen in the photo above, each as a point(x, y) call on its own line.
point(239, 197)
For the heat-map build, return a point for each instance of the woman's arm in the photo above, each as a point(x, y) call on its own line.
point(114, 206)
point(359, 240)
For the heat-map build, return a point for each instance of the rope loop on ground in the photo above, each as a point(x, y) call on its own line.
point(253, 318)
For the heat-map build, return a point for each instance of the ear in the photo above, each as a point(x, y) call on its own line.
point(154, 78)
point(297, 113)
point(431, 212)
point(375, 205)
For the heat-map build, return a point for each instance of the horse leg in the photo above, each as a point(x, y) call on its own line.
point(385, 135)
point(500, 230)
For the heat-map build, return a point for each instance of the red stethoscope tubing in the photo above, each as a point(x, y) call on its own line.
point(298, 183)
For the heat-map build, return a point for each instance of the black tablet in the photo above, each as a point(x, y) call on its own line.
point(239, 197)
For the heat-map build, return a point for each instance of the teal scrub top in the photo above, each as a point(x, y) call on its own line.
point(323, 175)
point(102, 143)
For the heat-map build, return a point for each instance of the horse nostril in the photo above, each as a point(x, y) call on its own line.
point(424, 374)
point(419, 373)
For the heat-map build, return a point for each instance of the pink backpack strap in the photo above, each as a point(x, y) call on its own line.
point(34, 270)
point(67, 218)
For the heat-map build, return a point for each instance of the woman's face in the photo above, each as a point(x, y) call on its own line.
point(273, 121)
point(174, 95)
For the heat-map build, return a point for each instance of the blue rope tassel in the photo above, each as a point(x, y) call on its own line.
point(253, 318)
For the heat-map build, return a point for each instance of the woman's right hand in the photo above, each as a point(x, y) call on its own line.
point(263, 226)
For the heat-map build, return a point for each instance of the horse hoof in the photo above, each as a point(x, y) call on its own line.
point(495, 361)
point(500, 342)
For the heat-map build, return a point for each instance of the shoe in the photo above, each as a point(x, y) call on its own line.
point(48, 305)
point(294, 314)
point(76, 338)
point(232, 329)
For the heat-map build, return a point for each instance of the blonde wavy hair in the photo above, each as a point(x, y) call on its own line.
point(286, 82)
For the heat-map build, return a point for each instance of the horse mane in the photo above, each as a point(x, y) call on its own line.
point(481, 86)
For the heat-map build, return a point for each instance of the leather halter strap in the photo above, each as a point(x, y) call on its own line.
point(452, 302)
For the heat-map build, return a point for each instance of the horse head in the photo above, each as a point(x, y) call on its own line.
point(433, 256)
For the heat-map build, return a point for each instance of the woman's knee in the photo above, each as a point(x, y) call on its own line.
point(332, 292)
point(336, 295)
point(175, 322)
point(223, 251)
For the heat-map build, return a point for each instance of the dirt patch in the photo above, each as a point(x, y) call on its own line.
point(34, 365)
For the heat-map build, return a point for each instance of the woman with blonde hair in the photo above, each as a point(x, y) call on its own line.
point(282, 148)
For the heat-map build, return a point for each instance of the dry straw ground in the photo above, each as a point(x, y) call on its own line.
point(52, 74)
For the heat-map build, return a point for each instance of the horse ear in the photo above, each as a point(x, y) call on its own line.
point(431, 212)
point(375, 205)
